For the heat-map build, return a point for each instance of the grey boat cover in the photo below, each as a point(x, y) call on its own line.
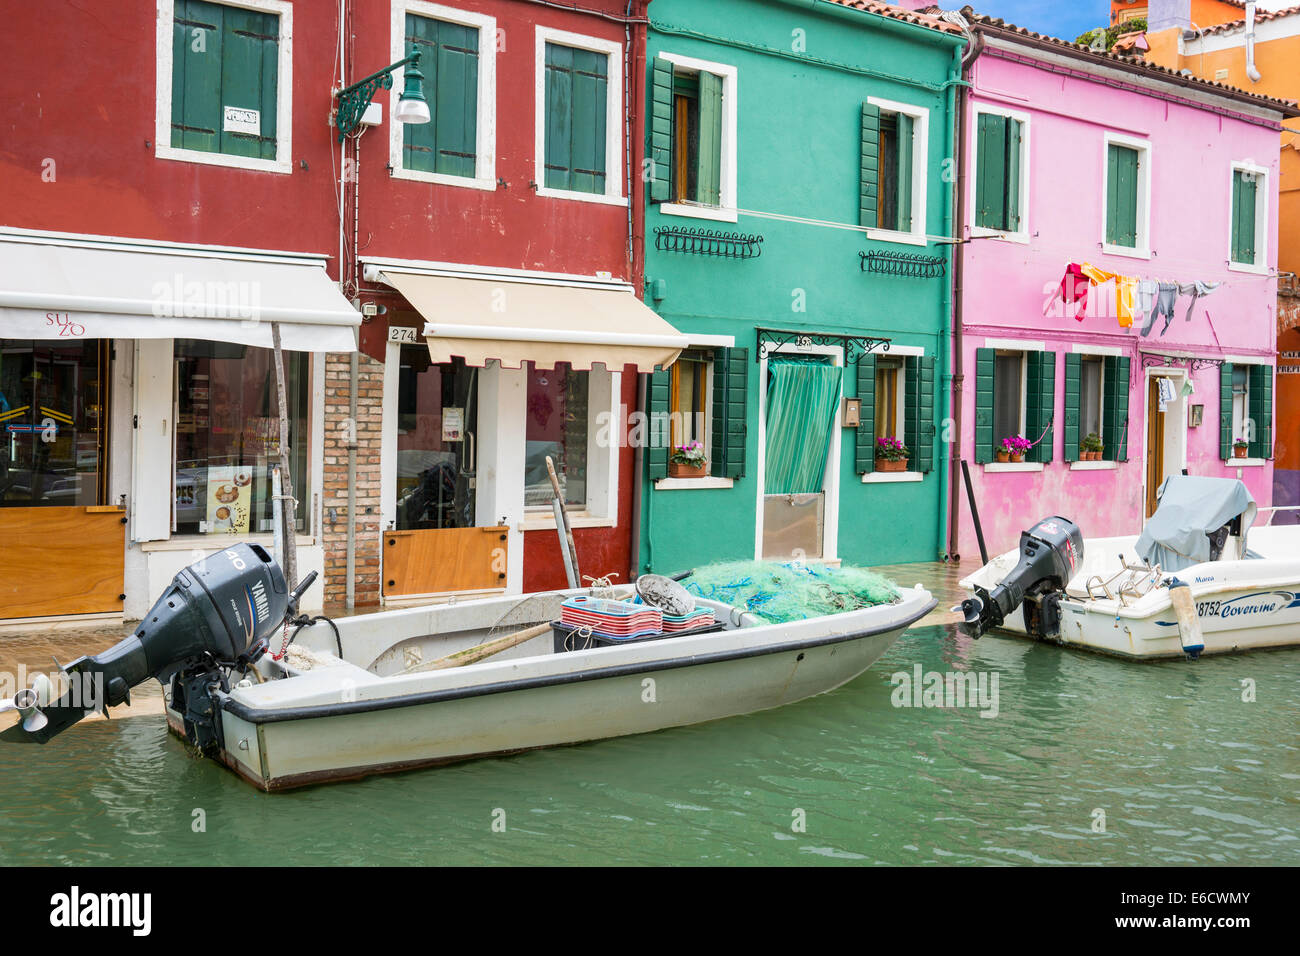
point(1190, 508)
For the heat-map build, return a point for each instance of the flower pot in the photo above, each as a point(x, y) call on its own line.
point(883, 464)
point(677, 469)
point(1240, 452)
point(1004, 455)
point(1016, 456)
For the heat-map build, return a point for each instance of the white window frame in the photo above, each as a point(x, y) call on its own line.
point(900, 400)
point(283, 162)
point(614, 159)
point(700, 342)
point(916, 236)
point(728, 195)
point(1240, 403)
point(604, 390)
point(1262, 182)
point(1142, 250)
point(485, 163)
point(1022, 234)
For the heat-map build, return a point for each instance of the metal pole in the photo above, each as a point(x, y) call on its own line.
point(289, 528)
point(974, 513)
point(351, 435)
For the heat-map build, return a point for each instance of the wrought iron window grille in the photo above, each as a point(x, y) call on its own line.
point(907, 265)
point(708, 242)
point(855, 346)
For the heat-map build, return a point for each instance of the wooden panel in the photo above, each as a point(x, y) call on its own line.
point(61, 561)
point(440, 561)
point(1155, 445)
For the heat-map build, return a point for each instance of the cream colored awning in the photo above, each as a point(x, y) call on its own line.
point(545, 322)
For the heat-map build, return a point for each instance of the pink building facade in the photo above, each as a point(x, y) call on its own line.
point(1078, 166)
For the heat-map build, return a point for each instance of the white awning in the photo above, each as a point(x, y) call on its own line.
point(74, 287)
point(514, 320)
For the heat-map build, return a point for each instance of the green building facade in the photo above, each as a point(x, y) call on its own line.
point(798, 179)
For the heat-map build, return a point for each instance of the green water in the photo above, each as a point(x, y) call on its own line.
point(1185, 771)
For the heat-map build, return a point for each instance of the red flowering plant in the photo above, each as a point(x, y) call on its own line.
point(891, 449)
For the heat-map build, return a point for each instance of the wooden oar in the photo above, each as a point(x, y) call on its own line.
point(566, 532)
point(472, 655)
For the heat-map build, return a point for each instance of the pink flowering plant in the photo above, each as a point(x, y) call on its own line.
point(891, 449)
point(692, 453)
point(1016, 444)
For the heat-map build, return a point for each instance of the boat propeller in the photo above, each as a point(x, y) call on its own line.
point(27, 702)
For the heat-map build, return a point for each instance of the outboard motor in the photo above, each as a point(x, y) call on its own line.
point(217, 616)
point(1050, 553)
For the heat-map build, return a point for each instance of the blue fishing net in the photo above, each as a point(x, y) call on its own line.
point(779, 593)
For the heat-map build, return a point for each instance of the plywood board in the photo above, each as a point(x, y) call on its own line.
point(61, 561)
point(444, 560)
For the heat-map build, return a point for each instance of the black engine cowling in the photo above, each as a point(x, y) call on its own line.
point(1050, 554)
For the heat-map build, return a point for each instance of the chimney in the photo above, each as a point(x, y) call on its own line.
point(1163, 14)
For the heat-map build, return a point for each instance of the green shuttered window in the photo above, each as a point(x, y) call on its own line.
point(888, 170)
point(1246, 410)
point(918, 422)
point(449, 60)
point(224, 58)
point(1106, 406)
point(1028, 394)
point(998, 172)
point(727, 426)
point(1245, 190)
point(685, 128)
point(577, 90)
point(1122, 171)
point(1261, 411)
point(1114, 413)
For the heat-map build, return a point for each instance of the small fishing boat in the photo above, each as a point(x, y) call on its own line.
point(1199, 579)
point(430, 685)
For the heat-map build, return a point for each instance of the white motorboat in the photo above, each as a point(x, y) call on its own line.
point(1198, 580)
point(377, 696)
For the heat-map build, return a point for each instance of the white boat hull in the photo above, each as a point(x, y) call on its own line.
point(343, 721)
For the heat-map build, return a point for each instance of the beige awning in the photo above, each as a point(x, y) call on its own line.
point(545, 322)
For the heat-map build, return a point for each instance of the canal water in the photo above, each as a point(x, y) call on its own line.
point(1088, 760)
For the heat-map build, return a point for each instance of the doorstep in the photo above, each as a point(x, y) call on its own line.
point(64, 622)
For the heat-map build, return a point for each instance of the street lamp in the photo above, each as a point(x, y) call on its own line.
point(411, 107)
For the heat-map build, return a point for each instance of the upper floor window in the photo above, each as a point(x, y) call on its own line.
point(579, 117)
point(1001, 162)
point(458, 59)
point(1249, 216)
point(894, 144)
point(224, 83)
point(693, 138)
point(1128, 191)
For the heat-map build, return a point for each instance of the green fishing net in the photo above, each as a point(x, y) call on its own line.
point(779, 593)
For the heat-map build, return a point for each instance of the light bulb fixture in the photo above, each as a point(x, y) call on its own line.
point(412, 107)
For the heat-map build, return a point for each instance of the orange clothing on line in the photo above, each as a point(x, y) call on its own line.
point(1126, 291)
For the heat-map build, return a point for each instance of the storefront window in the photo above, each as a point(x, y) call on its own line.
point(437, 439)
point(228, 437)
point(556, 426)
point(53, 422)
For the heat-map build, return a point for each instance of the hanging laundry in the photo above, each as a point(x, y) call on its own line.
point(1167, 391)
point(1197, 290)
point(1073, 291)
point(1165, 304)
point(1126, 289)
point(1148, 289)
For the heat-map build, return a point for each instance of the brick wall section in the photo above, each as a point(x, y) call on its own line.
point(1288, 304)
point(334, 499)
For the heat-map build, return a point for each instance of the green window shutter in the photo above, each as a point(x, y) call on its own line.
point(576, 97)
point(1012, 209)
point(1225, 411)
point(661, 130)
point(1261, 410)
point(709, 157)
point(1073, 373)
point(1114, 412)
point(869, 183)
point(559, 117)
point(448, 143)
point(906, 127)
point(865, 445)
point(1244, 186)
point(730, 398)
point(658, 398)
point(1121, 195)
point(1040, 401)
point(196, 75)
point(249, 78)
point(985, 360)
point(918, 412)
point(991, 172)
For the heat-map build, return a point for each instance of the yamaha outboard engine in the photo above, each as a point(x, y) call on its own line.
point(217, 616)
point(1050, 553)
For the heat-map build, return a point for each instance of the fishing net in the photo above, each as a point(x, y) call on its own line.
point(779, 593)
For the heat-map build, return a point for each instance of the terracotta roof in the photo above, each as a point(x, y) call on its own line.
point(1129, 62)
point(1261, 16)
point(899, 13)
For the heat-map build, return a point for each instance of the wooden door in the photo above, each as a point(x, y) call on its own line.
point(1155, 445)
point(444, 560)
point(56, 561)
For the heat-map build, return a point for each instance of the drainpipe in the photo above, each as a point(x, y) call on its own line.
point(638, 477)
point(1251, 70)
point(351, 435)
point(958, 277)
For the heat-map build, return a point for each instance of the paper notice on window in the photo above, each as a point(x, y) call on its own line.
point(453, 424)
point(240, 120)
point(229, 499)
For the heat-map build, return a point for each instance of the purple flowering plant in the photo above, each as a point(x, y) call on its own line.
point(891, 449)
point(692, 453)
point(1016, 444)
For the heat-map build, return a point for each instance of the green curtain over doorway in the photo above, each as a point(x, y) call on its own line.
point(803, 398)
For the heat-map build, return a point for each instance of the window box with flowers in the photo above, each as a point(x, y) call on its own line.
point(1240, 448)
point(688, 461)
point(891, 454)
point(1013, 448)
